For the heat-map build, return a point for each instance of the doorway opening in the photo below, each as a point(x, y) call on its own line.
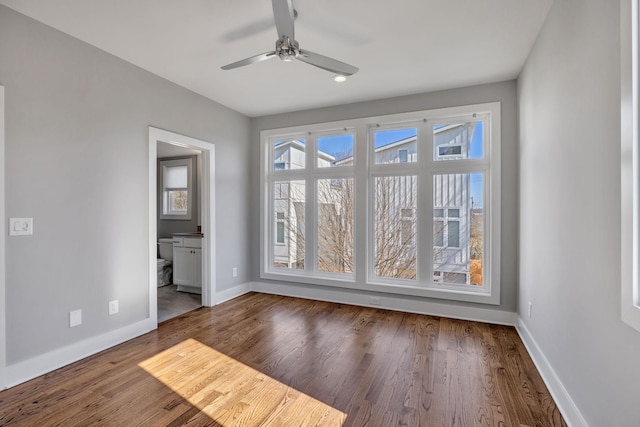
point(181, 224)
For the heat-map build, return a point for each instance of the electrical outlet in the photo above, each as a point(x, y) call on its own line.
point(113, 307)
point(530, 307)
point(234, 272)
point(75, 318)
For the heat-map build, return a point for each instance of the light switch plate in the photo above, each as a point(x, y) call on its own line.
point(20, 226)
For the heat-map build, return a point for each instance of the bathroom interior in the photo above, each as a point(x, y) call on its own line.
point(179, 234)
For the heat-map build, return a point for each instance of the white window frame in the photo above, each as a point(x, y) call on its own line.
point(189, 189)
point(363, 170)
point(630, 163)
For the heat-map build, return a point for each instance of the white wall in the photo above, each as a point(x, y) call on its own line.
point(77, 162)
point(504, 92)
point(569, 107)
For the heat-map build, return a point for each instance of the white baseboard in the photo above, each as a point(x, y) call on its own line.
point(229, 294)
point(31, 368)
point(560, 395)
point(387, 301)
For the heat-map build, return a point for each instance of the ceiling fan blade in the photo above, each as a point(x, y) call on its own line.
point(250, 60)
point(326, 63)
point(284, 16)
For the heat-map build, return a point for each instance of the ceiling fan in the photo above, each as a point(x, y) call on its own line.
point(288, 49)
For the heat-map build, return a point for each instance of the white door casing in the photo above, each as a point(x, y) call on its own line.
point(208, 213)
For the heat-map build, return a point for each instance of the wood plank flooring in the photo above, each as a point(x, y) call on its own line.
point(264, 360)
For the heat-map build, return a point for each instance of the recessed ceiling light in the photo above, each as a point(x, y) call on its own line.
point(338, 78)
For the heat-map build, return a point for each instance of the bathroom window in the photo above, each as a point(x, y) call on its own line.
point(176, 189)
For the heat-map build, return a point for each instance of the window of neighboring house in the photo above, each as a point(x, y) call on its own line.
point(280, 226)
point(407, 231)
point(450, 150)
point(176, 177)
point(446, 223)
point(423, 224)
point(403, 155)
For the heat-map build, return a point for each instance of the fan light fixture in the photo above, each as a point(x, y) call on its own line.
point(339, 78)
point(288, 49)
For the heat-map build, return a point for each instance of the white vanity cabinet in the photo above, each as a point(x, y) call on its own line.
point(187, 264)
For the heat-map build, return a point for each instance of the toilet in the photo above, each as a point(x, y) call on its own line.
point(165, 261)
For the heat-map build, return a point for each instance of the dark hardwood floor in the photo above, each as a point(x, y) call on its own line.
point(264, 360)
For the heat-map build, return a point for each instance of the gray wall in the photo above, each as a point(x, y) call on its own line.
point(569, 99)
point(166, 227)
point(77, 162)
point(504, 92)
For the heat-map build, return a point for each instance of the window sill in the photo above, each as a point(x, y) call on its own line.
point(481, 295)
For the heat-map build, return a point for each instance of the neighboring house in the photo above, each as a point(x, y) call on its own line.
point(452, 210)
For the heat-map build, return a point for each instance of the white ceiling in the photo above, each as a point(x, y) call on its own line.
point(401, 47)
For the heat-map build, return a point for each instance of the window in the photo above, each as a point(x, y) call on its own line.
point(424, 225)
point(446, 222)
point(289, 154)
point(393, 232)
point(403, 155)
point(280, 227)
point(289, 219)
point(396, 144)
point(335, 150)
point(176, 177)
point(450, 150)
point(630, 163)
point(335, 225)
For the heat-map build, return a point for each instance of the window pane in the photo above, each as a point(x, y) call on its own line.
point(280, 233)
point(460, 278)
point(453, 234)
point(406, 212)
point(394, 251)
point(175, 176)
point(407, 233)
point(395, 146)
point(280, 227)
point(438, 233)
point(457, 141)
point(335, 225)
point(178, 201)
point(336, 150)
point(288, 208)
point(458, 237)
point(403, 155)
point(289, 154)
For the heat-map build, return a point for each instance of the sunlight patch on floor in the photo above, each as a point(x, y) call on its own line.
point(232, 393)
